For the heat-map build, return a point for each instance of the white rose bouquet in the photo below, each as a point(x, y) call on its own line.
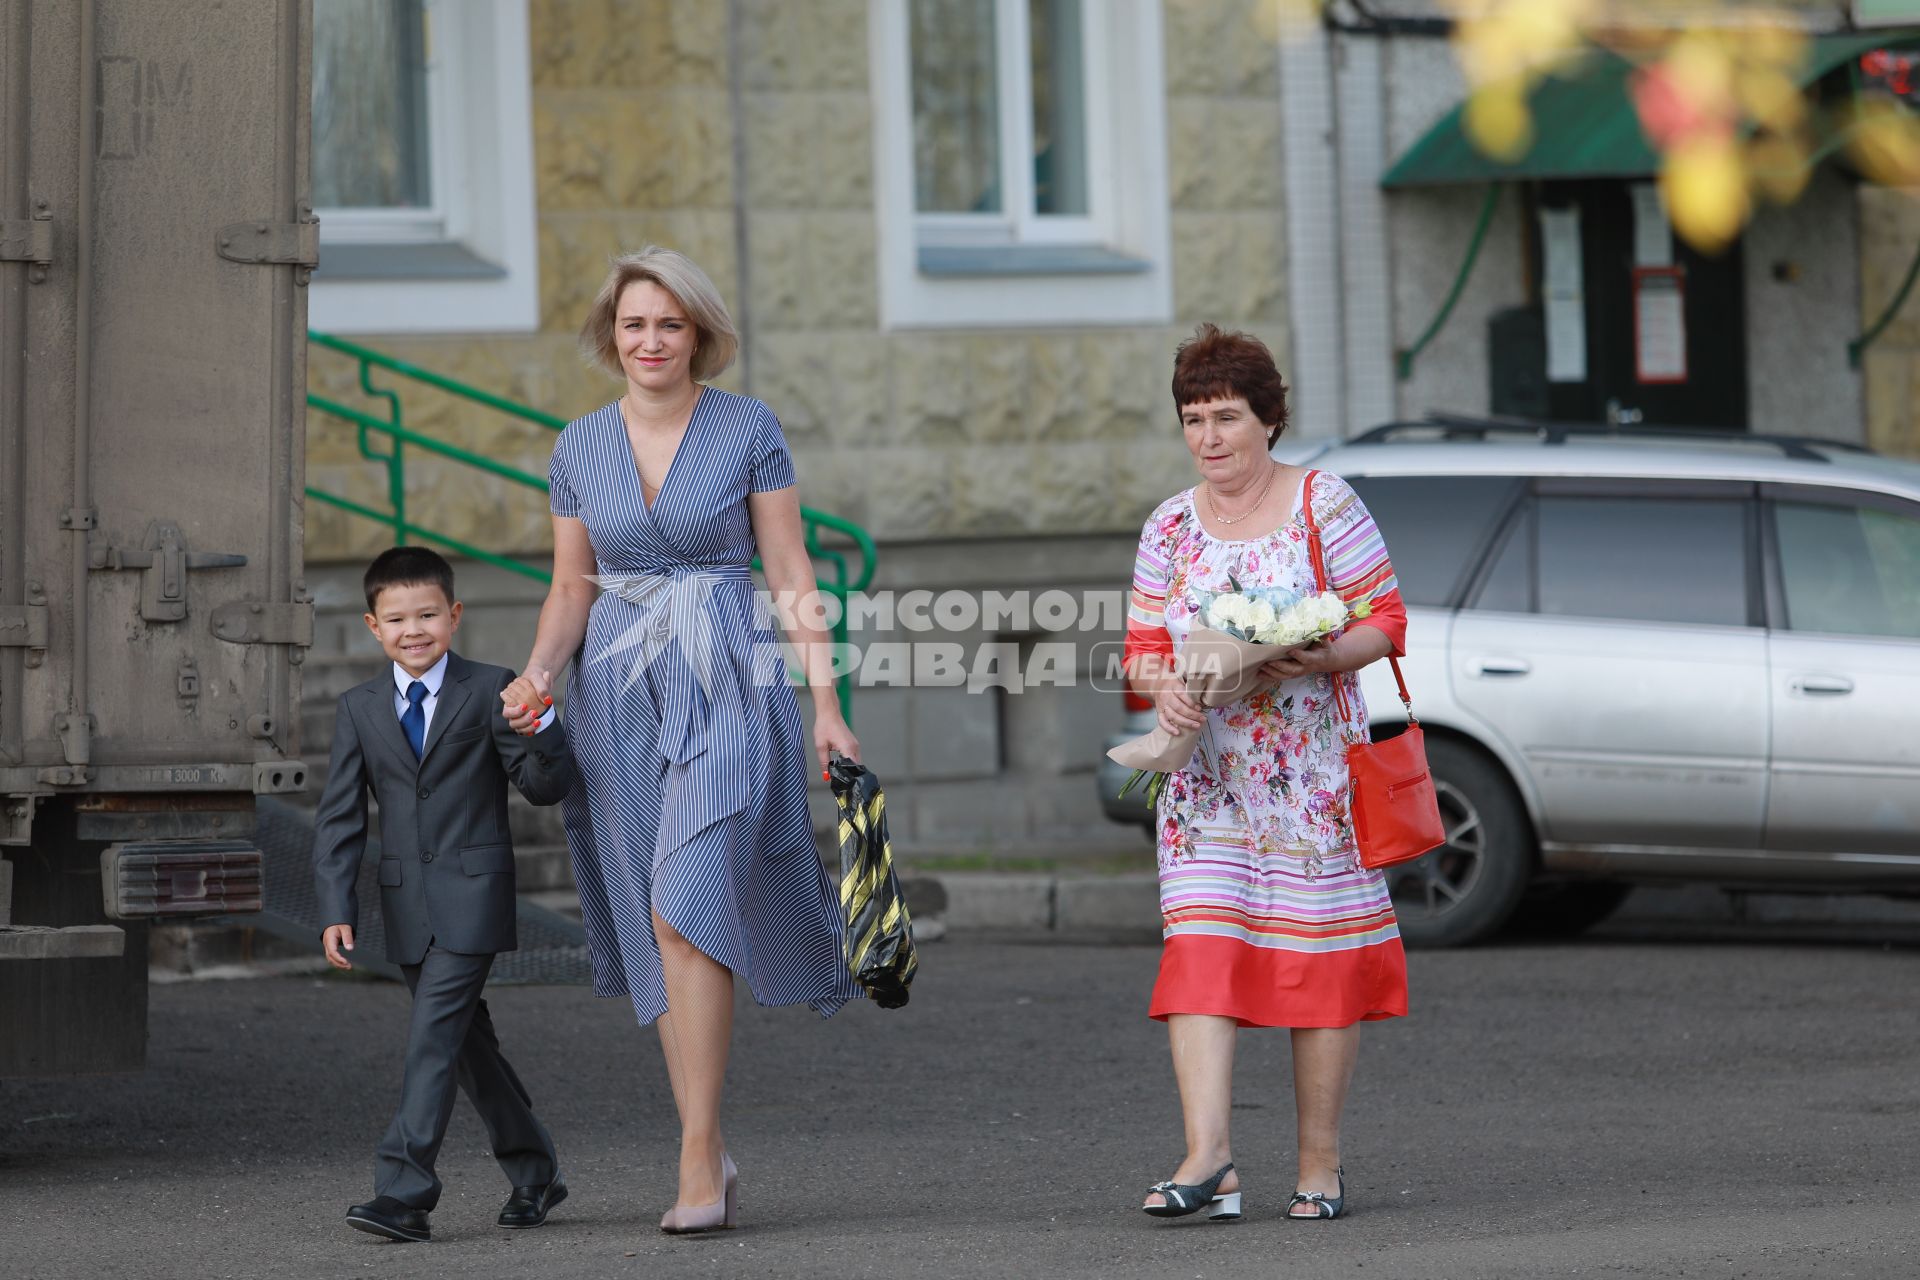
point(1240, 629)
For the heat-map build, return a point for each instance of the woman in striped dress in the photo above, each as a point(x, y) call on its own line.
point(1269, 920)
point(691, 842)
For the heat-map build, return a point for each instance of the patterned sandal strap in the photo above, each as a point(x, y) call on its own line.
point(1318, 1199)
point(1175, 1194)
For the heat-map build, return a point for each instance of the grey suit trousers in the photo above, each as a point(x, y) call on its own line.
point(450, 1040)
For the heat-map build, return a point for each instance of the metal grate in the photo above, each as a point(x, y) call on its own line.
point(553, 948)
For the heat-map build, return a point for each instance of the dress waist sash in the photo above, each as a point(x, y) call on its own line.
point(706, 716)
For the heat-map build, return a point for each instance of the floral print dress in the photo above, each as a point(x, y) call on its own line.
point(1268, 917)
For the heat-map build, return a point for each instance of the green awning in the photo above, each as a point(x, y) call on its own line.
point(1584, 122)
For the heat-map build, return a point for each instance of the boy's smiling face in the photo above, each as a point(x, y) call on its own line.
point(414, 624)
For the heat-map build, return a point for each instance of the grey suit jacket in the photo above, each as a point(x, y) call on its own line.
point(446, 858)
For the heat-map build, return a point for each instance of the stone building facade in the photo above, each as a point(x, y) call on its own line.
point(1001, 456)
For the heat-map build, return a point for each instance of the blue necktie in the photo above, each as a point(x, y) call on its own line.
point(414, 719)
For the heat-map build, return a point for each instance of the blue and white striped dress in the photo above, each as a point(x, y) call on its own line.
point(692, 759)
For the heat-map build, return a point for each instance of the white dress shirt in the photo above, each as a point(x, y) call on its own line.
point(434, 677)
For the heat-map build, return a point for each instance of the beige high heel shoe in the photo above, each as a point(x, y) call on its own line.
point(722, 1214)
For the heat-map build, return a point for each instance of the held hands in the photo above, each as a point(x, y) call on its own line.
point(832, 736)
point(525, 700)
point(338, 939)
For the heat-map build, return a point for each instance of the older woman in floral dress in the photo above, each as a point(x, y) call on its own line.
point(1269, 919)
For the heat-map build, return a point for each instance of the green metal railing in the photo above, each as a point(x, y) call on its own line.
point(399, 440)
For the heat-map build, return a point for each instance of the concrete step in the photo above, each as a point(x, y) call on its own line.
point(325, 676)
point(1068, 903)
point(543, 868)
point(216, 948)
point(1123, 907)
point(564, 901)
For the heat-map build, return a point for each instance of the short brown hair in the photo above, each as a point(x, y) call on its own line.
point(1216, 365)
point(716, 341)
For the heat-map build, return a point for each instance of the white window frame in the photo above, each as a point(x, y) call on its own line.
point(443, 217)
point(1017, 223)
point(1124, 275)
point(482, 198)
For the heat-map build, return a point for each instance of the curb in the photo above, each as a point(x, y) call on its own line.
point(1123, 906)
point(1707, 905)
point(1067, 907)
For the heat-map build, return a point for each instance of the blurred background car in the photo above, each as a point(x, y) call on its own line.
point(1650, 655)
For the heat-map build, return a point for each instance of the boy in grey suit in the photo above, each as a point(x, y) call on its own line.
point(428, 739)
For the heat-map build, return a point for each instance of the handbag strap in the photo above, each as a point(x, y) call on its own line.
point(1318, 553)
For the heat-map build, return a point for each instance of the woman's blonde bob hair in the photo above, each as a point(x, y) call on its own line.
point(716, 341)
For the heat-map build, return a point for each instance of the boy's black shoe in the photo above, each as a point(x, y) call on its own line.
point(385, 1216)
point(528, 1206)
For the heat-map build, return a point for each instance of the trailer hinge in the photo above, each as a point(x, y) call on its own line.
point(295, 244)
point(24, 626)
point(30, 240)
point(253, 622)
point(27, 240)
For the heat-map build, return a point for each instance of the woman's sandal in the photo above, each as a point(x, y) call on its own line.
point(1324, 1206)
point(1184, 1198)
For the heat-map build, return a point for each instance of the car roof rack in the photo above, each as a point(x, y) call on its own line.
point(1461, 427)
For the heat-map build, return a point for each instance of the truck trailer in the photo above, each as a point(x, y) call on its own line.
point(156, 238)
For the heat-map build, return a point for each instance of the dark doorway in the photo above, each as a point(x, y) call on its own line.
point(1714, 390)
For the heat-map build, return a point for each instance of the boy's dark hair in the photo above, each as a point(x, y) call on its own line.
point(407, 567)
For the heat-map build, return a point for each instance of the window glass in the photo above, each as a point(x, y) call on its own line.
point(1849, 570)
point(369, 105)
point(1649, 559)
point(1432, 526)
point(1508, 586)
point(1059, 108)
point(956, 107)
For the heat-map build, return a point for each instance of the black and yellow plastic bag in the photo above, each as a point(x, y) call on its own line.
point(879, 934)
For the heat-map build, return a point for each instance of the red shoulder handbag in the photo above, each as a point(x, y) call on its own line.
point(1396, 816)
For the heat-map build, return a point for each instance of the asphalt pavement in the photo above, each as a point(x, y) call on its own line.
point(1618, 1106)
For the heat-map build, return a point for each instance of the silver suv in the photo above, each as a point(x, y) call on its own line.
point(1646, 655)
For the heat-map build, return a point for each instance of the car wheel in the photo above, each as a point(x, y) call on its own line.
point(1565, 910)
point(1465, 890)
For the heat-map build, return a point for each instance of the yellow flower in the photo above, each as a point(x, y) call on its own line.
point(1498, 121)
point(1703, 74)
point(1705, 190)
point(1771, 98)
point(1885, 143)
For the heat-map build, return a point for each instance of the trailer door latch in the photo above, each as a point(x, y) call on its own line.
point(163, 591)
